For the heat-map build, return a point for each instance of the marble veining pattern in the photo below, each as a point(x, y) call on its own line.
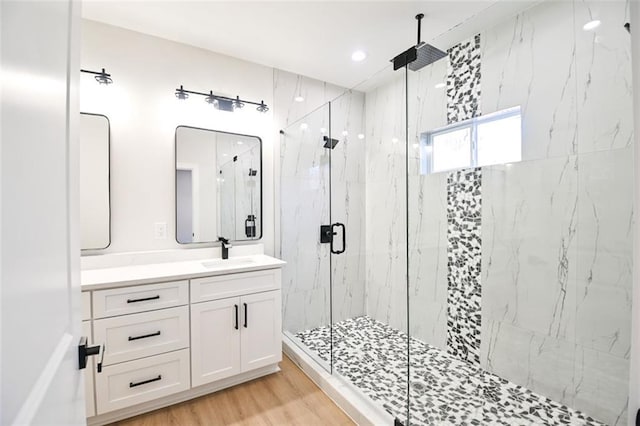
point(444, 390)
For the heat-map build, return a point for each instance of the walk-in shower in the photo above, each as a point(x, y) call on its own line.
point(482, 274)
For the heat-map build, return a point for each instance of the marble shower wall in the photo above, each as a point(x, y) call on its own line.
point(307, 200)
point(386, 203)
point(557, 252)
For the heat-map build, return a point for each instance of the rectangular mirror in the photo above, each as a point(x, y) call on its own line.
point(95, 209)
point(218, 186)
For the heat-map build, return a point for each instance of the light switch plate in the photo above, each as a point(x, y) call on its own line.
point(160, 230)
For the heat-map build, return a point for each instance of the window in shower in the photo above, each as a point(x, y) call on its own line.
point(490, 139)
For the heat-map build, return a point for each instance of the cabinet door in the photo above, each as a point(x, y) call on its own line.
point(88, 373)
point(215, 340)
point(261, 339)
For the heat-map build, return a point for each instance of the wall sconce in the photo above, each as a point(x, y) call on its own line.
point(222, 103)
point(101, 76)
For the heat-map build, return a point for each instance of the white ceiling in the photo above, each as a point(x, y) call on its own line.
point(311, 38)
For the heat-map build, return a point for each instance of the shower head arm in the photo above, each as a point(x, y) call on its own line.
point(419, 17)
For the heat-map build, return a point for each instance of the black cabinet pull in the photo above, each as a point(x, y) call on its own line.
point(144, 382)
point(236, 308)
point(144, 299)
point(245, 315)
point(157, 333)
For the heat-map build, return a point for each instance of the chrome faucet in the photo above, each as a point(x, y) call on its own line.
point(226, 245)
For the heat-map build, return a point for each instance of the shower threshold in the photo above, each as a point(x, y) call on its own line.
point(444, 390)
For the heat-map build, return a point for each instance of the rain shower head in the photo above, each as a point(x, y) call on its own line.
point(420, 55)
point(427, 54)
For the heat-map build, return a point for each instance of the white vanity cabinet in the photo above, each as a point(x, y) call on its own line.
point(167, 342)
point(234, 335)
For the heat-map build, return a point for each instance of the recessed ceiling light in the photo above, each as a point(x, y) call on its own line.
point(440, 85)
point(299, 98)
point(361, 136)
point(591, 25)
point(358, 56)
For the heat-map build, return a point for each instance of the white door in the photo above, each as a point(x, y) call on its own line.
point(40, 255)
point(215, 340)
point(261, 341)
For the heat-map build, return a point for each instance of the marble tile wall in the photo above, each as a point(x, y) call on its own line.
point(308, 198)
point(557, 253)
point(386, 204)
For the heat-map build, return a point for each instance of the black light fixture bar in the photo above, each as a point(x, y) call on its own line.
point(209, 97)
point(101, 77)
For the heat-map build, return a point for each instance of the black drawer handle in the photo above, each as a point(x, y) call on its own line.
point(144, 382)
point(144, 299)
point(157, 333)
point(245, 315)
point(236, 308)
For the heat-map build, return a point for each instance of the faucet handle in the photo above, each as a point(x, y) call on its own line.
point(224, 241)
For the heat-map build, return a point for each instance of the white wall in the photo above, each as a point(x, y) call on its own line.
point(144, 114)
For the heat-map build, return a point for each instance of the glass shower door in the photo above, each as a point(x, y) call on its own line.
point(305, 207)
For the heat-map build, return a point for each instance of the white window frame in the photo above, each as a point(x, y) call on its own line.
point(426, 138)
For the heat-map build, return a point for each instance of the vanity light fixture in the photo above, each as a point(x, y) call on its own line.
point(102, 77)
point(181, 94)
point(222, 103)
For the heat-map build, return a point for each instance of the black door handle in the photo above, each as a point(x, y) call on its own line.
point(85, 351)
point(236, 308)
point(344, 237)
point(245, 315)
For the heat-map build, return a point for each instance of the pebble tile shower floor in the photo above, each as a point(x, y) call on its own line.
point(444, 390)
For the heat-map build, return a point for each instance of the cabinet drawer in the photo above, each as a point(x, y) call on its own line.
point(223, 286)
point(134, 382)
point(150, 333)
point(129, 300)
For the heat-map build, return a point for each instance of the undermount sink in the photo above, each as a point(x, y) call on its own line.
point(217, 263)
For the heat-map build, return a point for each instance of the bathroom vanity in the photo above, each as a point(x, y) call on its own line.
point(174, 331)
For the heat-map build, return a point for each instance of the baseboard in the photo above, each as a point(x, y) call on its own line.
point(166, 401)
point(350, 399)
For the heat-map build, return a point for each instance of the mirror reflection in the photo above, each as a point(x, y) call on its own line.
point(218, 186)
point(95, 215)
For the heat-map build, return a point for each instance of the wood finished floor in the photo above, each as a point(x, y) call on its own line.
point(285, 398)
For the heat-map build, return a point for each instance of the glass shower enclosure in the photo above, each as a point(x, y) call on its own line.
point(327, 244)
point(459, 237)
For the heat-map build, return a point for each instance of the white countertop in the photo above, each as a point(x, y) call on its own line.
point(95, 279)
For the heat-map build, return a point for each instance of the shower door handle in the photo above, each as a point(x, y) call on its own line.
point(344, 237)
